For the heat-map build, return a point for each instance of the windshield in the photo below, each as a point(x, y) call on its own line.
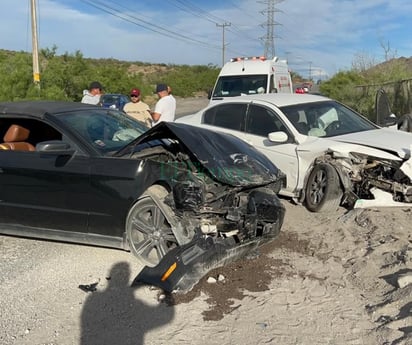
point(230, 86)
point(106, 130)
point(110, 98)
point(326, 119)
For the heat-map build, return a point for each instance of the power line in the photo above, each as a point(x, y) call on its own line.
point(144, 23)
point(192, 9)
point(200, 13)
point(183, 5)
point(197, 11)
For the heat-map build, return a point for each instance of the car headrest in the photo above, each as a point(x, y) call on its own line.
point(16, 133)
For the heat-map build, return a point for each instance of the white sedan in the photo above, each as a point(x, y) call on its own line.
point(330, 154)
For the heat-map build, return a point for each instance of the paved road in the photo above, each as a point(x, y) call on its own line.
point(185, 106)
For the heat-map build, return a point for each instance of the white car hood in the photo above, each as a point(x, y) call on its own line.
point(385, 139)
point(192, 119)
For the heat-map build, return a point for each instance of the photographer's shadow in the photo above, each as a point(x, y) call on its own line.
point(115, 316)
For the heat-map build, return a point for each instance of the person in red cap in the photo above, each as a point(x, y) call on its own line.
point(138, 109)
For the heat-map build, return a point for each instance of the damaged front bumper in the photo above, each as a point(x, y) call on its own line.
point(371, 181)
point(182, 267)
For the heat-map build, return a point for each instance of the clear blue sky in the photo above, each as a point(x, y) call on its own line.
point(320, 36)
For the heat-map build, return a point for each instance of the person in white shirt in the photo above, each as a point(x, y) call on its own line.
point(92, 96)
point(165, 108)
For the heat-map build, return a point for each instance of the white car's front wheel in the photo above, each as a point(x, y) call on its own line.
point(323, 190)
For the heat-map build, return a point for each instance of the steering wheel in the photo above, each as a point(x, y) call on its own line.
point(333, 126)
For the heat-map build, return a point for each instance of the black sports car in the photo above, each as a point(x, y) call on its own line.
point(81, 173)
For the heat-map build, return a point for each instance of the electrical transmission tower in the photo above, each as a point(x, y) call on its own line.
point(269, 39)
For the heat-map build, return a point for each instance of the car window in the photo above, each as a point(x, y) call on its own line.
point(231, 116)
point(229, 86)
point(23, 134)
point(106, 130)
point(326, 119)
point(114, 100)
point(262, 121)
point(125, 99)
point(272, 86)
point(109, 99)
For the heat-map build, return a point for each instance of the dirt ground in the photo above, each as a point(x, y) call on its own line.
point(338, 279)
point(327, 279)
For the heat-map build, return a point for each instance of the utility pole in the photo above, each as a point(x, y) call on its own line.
point(310, 70)
point(36, 69)
point(223, 26)
point(287, 56)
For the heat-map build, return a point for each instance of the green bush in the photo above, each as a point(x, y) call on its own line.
point(358, 89)
point(65, 77)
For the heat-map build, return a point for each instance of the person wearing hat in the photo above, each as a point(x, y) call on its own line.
point(92, 96)
point(165, 108)
point(138, 109)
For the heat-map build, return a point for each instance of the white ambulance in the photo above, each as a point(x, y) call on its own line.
point(252, 75)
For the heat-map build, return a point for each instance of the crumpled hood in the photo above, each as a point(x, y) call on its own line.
point(385, 139)
point(228, 159)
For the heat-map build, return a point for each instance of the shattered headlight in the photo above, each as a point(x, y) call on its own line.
point(188, 195)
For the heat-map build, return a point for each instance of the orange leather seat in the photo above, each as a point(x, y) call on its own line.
point(15, 139)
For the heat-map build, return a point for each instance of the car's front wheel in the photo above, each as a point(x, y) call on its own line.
point(148, 231)
point(323, 190)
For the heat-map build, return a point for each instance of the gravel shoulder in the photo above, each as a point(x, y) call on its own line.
point(327, 279)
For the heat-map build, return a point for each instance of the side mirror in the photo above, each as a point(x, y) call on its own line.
point(278, 137)
point(55, 147)
point(383, 110)
point(405, 123)
point(389, 121)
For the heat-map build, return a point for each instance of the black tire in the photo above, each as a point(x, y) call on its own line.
point(148, 231)
point(323, 190)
